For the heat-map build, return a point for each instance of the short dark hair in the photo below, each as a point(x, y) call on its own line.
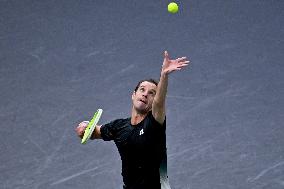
point(148, 80)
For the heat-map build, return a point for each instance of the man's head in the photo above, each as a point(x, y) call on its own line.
point(143, 95)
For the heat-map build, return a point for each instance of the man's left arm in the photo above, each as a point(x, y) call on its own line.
point(159, 103)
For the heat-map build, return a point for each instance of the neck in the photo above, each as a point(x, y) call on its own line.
point(137, 117)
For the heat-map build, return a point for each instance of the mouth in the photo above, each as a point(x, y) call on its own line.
point(143, 101)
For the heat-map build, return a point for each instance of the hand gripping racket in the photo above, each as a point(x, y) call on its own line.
point(91, 126)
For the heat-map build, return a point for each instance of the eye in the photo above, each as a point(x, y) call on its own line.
point(142, 89)
point(152, 93)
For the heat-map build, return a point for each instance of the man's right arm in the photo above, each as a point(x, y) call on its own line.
point(97, 133)
point(81, 129)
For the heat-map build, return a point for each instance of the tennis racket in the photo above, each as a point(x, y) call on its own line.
point(91, 126)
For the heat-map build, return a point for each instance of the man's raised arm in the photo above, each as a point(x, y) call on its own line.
point(158, 107)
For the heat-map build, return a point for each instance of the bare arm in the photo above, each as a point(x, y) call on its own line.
point(97, 133)
point(158, 107)
point(81, 129)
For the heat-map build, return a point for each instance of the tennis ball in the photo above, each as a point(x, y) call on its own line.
point(173, 7)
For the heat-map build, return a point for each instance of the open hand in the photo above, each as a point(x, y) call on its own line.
point(173, 65)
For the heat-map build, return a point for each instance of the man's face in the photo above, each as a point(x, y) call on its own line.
point(143, 98)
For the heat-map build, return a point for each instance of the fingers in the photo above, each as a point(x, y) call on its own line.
point(80, 132)
point(166, 55)
point(181, 59)
point(182, 64)
point(80, 129)
point(185, 62)
point(84, 123)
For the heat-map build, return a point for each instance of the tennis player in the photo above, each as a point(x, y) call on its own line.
point(141, 138)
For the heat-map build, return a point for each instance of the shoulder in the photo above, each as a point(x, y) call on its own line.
point(116, 122)
point(153, 120)
point(109, 130)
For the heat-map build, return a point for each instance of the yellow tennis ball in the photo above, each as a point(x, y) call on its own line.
point(173, 7)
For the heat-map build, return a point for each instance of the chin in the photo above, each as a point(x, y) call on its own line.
point(142, 110)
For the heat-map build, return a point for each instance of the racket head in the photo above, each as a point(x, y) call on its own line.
point(91, 126)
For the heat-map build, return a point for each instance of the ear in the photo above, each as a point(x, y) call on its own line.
point(133, 95)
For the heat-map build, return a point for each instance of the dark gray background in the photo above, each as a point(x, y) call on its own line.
point(60, 60)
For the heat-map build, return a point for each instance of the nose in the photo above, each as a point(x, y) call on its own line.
point(145, 94)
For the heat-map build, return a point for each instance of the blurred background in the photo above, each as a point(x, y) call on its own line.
point(61, 60)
